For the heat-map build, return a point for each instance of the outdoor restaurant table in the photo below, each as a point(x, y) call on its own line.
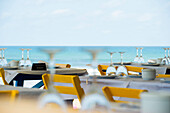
point(20, 75)
point(31, 96)
point(24, 93)
point(30, 93)
point(161, 69)
point(28, 105)
point(136, 83)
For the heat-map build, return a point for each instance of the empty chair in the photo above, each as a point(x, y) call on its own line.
point(109, 92)
point(9, 95)
point(2, 75)
point(73, 79)
point(131, 69)
point(63, 65)
point(163, 76)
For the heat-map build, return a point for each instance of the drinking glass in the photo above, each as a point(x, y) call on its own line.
point(1, 61)
point(22, 61)
point(141, 59)
point(165, 60)
point(121, 70)
point(136, 59)
point(3, 58)
point(52, 95)
point(28, 61)
point(94, 99)
point(168, 56)
point(111, 70)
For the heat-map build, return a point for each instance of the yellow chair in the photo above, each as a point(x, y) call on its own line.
point(109, 92)
point(9, 94)
point(74, 79)
point(102, 69)
point(163, 76)
point(2, 74)
point(64, 65)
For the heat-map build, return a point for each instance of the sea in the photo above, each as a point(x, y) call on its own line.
point(77, 56)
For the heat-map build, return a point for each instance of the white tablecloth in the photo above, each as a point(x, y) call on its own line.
point(159, 69)
point(10, 74)
point(136, 83)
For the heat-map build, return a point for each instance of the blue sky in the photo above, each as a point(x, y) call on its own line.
point(85, 22)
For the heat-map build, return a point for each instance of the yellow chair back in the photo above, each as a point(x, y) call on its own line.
point(163, 76)
point(9, 94)
point(109, 92)
point(64, 65)
point(102, 69)
point(74, 79)
point(2, 74)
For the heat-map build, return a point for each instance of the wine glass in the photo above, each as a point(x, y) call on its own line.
point(168, 56)
point(1, 61)
point(94, 99)
point(121, 70)
point(3, 58)
point(22, 61)
point(164, 60)
point(136, 59)
point(52, 96)
point(111, 69)
point(141, 59)
point(28, 61)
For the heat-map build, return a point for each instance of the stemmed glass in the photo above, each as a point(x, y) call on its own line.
point(122, 69)
point(1, 61)
point(111, 69)
point(22, 61)
point(52, 96)
point(168, 56)
point(3, 58)
point(28, 61)
point(165, 60)
point(141, 59)
point(94, 99)
point(136, 59)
